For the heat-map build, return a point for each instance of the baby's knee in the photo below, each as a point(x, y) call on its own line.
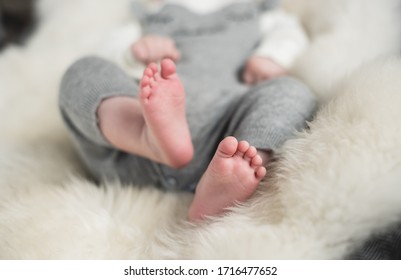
point(73, 78)
point(82, 78)
point(79, 71)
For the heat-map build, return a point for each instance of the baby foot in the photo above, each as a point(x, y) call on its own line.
point(258, 69)
point(232, 176)
point(154, 48)
point(162, 98)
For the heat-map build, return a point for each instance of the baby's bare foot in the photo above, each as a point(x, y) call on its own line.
point(162, 98)
point(154, 48)
point(258, 69)
point(232, 176)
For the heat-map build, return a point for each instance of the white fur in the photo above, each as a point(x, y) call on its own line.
point(333, 187)
point(345, 35)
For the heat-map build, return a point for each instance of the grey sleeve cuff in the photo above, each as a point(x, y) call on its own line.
point(85, 84)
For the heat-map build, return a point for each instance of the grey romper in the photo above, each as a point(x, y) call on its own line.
point(214, 48)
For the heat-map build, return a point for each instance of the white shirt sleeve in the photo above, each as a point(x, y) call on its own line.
point(283, 37)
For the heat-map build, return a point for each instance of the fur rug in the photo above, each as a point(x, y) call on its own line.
point(333, 187)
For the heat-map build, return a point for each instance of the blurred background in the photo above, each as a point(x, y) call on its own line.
point(17, 20)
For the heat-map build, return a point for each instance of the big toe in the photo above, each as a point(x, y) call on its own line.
point(227, 147)
point(168, 68)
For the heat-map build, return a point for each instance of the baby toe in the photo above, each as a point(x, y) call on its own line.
point(243, 147)
point(256, 161)
point(145, 81)
point(260, 172)
point(250, 153)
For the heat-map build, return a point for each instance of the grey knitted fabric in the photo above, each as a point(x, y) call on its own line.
point(214, 47)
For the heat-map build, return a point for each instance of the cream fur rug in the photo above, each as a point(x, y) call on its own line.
point(334, 186)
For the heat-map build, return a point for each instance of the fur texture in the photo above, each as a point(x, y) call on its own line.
point(333, 186)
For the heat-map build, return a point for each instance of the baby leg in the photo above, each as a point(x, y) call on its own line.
point(84, 86)
point(154, 126)
point(266, 116)
point(99, 100)
point(270, 113)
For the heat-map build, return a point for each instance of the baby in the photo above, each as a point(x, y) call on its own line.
point(186, 124)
